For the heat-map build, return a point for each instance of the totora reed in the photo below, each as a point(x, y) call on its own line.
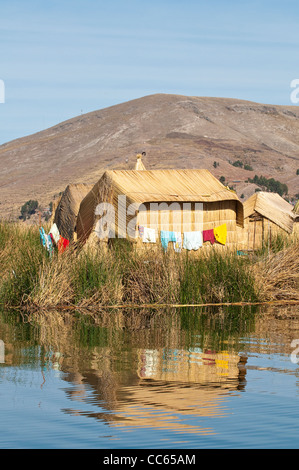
point(125, 276)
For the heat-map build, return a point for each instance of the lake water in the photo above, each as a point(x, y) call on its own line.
point(181, 379)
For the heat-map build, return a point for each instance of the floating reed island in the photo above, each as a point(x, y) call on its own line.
point(191, 242)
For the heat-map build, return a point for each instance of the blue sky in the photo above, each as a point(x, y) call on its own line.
point(59, 59)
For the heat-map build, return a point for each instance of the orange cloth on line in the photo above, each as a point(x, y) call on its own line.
point(220, 234)
point(62, 244)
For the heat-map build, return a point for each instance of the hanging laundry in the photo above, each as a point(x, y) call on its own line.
point(46, 240)
point(177, 245)
point(149, 235)
point(220, 234)
point(141, 231)
point(208, 236)
point(43, 237)
point(241, 253)
point(49, 245)
point(62, 244)
point(55, 233)
point(167, 237)
point(192, 240)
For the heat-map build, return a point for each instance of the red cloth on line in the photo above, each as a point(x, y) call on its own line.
point(208, 236)
point(62, 244)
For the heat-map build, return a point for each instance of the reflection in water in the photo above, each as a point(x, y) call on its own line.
point(156, 370)
point(168, 387)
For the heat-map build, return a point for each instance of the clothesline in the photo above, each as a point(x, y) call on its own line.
point(190, 240)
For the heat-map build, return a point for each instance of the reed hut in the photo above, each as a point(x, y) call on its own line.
point(266, 215)
point(67, 209)
point(174, 200)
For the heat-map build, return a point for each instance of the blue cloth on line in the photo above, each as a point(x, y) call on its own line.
point(167, 237)
point(43, 236)
point(46, 240)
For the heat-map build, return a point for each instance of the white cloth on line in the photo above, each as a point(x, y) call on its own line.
point(192, 240)
point(55, 232)
point(149, 235)
point(177, 245)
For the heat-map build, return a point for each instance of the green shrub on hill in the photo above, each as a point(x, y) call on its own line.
point(270, 184)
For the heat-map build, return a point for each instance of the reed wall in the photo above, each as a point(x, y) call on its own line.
point(190, 218)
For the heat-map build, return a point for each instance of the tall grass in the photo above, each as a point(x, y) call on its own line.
point(217, 278)
point(277, 243)
point(21, 258)
point(122, 275)
point(96, 278)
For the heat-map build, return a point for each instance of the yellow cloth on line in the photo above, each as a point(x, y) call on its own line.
point(220, 234)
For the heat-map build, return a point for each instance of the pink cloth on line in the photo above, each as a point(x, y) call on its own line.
point(208, 236)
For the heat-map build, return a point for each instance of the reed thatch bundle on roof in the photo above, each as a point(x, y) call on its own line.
point(219, 204)
point(139, 165)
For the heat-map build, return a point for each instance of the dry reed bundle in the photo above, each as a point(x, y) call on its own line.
point(68, 207)
point(151, 278)
point(278, 274)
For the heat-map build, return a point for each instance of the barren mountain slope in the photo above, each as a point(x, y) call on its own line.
point(175, 131)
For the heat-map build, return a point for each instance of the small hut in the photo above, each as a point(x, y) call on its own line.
point(174, 200)
point(265, 216)
point(66, 212)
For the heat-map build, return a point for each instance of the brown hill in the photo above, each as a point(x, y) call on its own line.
point(175, 131)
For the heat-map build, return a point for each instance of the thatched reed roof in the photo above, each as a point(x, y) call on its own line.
point(68, 207)
point(168, 185)
point(154, 186)
point(273, 207)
